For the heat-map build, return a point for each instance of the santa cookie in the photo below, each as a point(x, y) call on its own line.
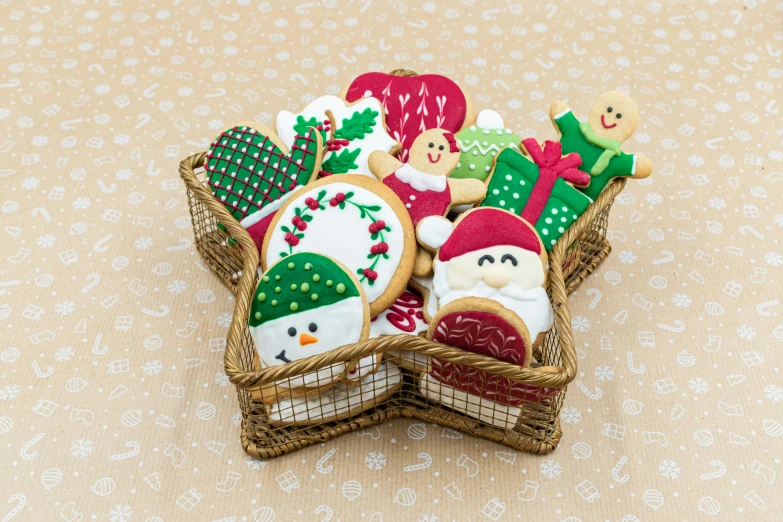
point(423, 183)
point(480, 143)
point(304, 305)
point(252, 172)
point(539, 188)
point(414, 103)
point(484, 327)
point(405, 316)
point(612, 120)
point(355, 220)
point(493, 254)
point(350, 132)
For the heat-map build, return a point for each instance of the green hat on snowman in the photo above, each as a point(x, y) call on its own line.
point(305, 304)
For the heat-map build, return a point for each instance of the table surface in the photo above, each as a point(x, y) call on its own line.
point(114, 403)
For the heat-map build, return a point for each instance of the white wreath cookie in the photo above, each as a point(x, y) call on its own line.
point(355, 220)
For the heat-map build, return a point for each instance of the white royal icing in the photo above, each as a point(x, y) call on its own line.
point(342, 235)
point(489, 119)
point(378, 139)
point(261, 213)
point(433, 231)
point(421, 181)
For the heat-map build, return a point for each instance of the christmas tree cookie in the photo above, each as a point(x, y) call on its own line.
point(252, 173)
point(612, 120)
point(307, 304)
point(480, 143)
point(350, 132)
point(539, 190)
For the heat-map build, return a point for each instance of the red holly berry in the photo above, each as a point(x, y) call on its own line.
point(296, 220)
point(380, 225)
point(373, 228)
point(333, 202)
point(313, 204)
point(309, 201)
point(372, 275)
point(340, 197)
point(381, 248)
point(301, 225)
point(291, 239)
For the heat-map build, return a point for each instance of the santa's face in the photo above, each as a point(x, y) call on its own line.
point(496, 267)
point(431, 153)
point(614, 116)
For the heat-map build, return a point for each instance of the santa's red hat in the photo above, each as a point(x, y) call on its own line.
point(480, 228)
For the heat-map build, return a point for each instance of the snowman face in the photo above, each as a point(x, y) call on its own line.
point(300, 335)
point(614, 115)
point(496, 266)
point(431, 153)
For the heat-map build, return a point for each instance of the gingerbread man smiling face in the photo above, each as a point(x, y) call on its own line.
point(434, 152)
point(614, 116)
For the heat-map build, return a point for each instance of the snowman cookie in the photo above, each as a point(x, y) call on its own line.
point(304, 305)
point(492, 254)
point(357, 221)
point(612, 120)
point(423, 183)
point(252, 172)
point(484, 327)
point(350, 132)
point(480, 143)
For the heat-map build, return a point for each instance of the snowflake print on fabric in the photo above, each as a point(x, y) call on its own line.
point(698, 386)
point(221, 379)
point(604, 373)
point(580, 324)
point(10, 391)
point(65, 308)
point(224, 319)
point(773, 392)
point(773, 259)
point(746, 332)
point(254, 463)
point(65, 353)
point(681, 300)
point(669, 469)
point(627, 257)
point(152, 367)
point(120, 513)
point(538, 190)
point(550, 469)
point(81, 448)
point(375, 460)
point(570, 415)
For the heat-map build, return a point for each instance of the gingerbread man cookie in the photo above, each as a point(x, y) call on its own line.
point(612, 120)
point(252, 172)
point(423, 183)
point(492, 254)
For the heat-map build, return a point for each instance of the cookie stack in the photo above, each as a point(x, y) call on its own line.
point(395, 209)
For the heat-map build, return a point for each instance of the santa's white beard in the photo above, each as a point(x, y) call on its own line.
point(532, 306)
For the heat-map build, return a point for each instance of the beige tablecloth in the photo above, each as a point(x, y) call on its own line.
point(113, 402)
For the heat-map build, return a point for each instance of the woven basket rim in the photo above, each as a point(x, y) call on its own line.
point(542, 376)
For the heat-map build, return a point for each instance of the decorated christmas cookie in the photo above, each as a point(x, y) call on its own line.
point(340, 401)
point(405, 316)
point(423, 183)
point(355, 220)
point(307, 304)
point(539, 190)
point(414, 104)
point(480, 143)
point(350, 132)
point(492, 254)
point(487, 328)
point(612, 120)
point(252, 172)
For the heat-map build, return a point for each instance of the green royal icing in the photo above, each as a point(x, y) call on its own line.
point(260, 171)
point(337, 287)
point(478, 148)
point(573, 139)
point(511, 185)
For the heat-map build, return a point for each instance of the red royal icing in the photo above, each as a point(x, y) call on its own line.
point(486, 334)
point(412, 104)
point(486, 227)
point(420, 204)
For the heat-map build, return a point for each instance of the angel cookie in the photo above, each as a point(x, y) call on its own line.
point(350, 132)
point(252, 172)
point(484, 327)
point(612, 120)
point(355, 220)
point(492, 254)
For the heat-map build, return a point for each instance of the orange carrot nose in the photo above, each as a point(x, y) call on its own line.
point(305, 339)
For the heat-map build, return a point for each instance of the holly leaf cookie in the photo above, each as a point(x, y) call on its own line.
point(480, 143)
point(539, 189)
point(612, 120)
point(351, 132)
point(414, 104)
point(252, 173)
